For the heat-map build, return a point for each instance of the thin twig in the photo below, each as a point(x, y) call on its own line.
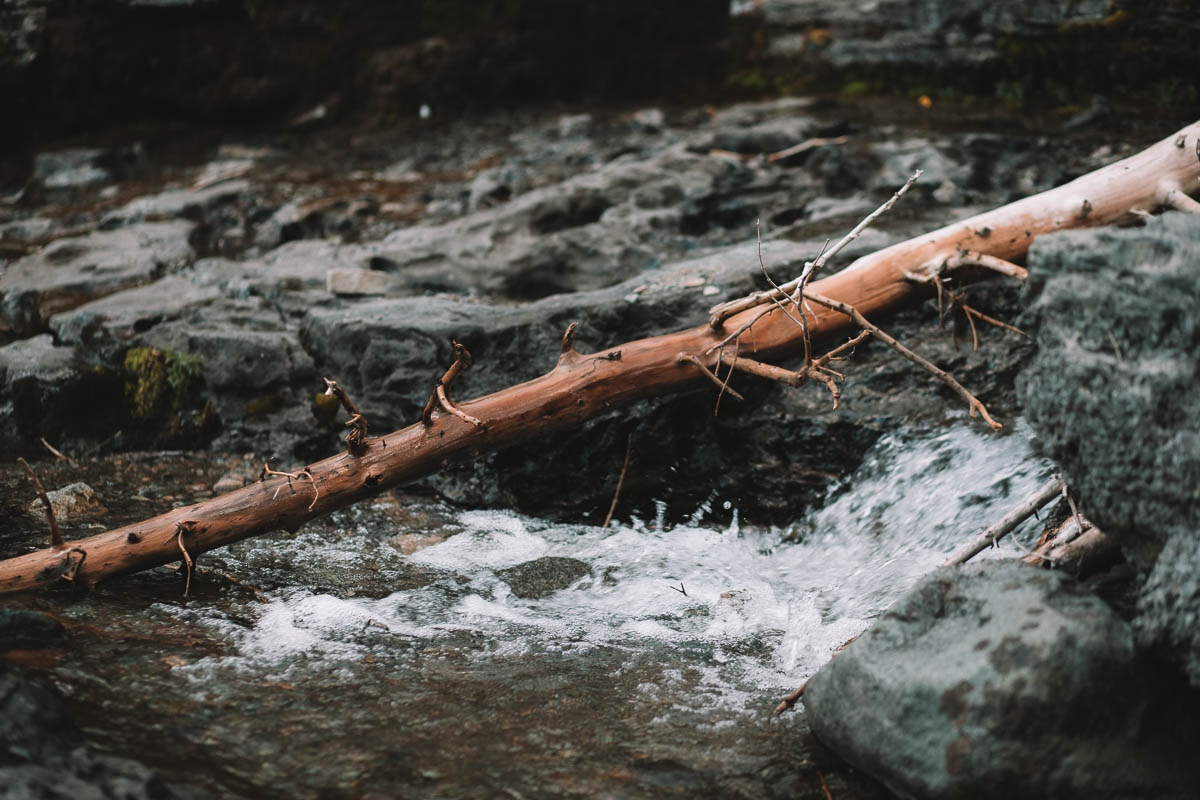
point(974, 330)
point(52, 449)
point(724, 311)
point(357, 423)
point(836, 353)
point(807, 144)
point(691, 359)
point(620, 482)
point(56, 537)
point(789, 702)
point(973, 402)
point(725, 384)
point(992, 320)
point(682, 590)
point(1011, 520)
point(180, 529)
point(1074, 511)
point(812, 269)
point(774, 285)
point(462, 360)
point(790, 377)
point(824, 785)
point(304, 473)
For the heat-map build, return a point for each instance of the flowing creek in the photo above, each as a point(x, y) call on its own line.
point(294, 670)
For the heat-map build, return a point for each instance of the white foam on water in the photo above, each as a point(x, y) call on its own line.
point(770, 605)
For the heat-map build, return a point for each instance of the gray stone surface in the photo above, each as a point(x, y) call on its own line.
point(544, 576)
point(70, 272)
point(125, 314)
point(71, 169)
point(23, 629)
point(887, 32)
point(188, 203)
point(1114, 394)
point(39, 759)
point(74, 502)
point(36, 358)
point(998, 680)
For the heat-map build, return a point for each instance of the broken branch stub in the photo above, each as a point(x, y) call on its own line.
point(582, 386)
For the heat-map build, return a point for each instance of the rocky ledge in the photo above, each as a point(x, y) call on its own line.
point(999, 680)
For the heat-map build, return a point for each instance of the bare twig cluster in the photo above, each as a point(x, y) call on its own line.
point(439, 398)
point(793, 300)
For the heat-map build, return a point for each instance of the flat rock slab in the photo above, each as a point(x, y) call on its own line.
point(186, 203)
point(70, 272)
point(35, 359)
point(1002, 680)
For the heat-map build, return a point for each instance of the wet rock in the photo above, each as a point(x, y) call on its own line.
point(1035, 688)
point(544, 576)
point(36, 358)
point(356, 281)
point(34, 725)
point(364, 567)
point(582, 233)
point(122, 315)
point(39, 759)
point(1114, 394)
point(71, 169)
point(18, 236)
point(45, 392)
point(495, 186)
point(70, 272)
point(409, 543)
point(244, 360)
point(191, 203)
point(21, 629)
point(74, 502)
point(908, 32)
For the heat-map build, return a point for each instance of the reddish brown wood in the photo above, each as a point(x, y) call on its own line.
point(580, 386)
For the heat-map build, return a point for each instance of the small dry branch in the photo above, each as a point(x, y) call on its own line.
point(462, 360)
point(973, 403)
point(56, 537)
point(357, 422)
point(620, 482)
point(1011, 520)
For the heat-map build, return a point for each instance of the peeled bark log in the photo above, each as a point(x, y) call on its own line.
point(581, 386)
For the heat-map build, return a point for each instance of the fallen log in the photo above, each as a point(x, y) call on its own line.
point(583, 385)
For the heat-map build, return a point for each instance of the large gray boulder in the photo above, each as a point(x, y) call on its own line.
point(1114, 395)
point(999, 680)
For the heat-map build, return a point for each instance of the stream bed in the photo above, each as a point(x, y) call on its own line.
point(404, 648)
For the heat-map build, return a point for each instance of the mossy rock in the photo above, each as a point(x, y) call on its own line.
point(165, 398)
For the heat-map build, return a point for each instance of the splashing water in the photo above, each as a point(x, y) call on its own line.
point(765, 607)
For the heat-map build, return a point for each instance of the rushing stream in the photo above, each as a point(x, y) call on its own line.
point(656, 671)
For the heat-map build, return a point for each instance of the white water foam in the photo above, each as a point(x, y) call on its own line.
point(789, 596)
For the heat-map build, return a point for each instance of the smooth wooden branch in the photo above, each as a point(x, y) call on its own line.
point(583, 385)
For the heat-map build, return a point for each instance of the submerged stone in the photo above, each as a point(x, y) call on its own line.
point(23, 629)
point(544, 576)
